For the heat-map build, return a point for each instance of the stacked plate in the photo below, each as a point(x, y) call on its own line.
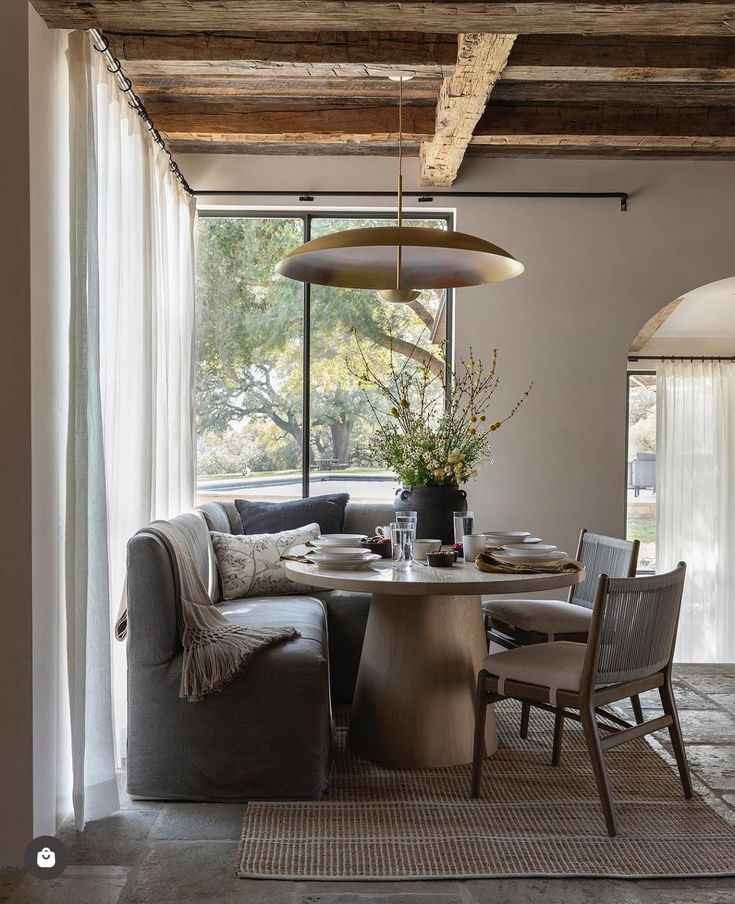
point(342, 558)
point(505, 537)
point(530, 554)
point(332, 541)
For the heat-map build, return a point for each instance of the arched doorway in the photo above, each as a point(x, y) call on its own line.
point(680, 464)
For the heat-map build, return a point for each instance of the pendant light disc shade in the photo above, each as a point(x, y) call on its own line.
point(430, 259)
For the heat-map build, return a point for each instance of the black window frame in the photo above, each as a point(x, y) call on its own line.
point(307, 218)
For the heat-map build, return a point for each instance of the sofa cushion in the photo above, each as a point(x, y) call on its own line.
point(269, 517)
point(305, 613)
point(250, 565)
point(550, 617)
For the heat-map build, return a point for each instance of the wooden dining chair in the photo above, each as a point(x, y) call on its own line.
point(518, 623)
point(629, 651)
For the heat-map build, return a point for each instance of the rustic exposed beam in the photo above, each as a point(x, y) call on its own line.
point(590, 121)
point(341, 124)
point(295, 149)
point(646, 17)
point(275, 69)
point(229, 88)
point(650, 327)
point(462, 100)
point(621, 57)
point(615, 93)
point(395, 48)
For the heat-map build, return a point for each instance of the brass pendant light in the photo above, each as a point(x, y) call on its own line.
point(398, 261)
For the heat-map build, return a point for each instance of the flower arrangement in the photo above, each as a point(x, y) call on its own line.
point(436, 434)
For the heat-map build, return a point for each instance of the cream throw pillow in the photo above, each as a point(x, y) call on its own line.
point(250, 564)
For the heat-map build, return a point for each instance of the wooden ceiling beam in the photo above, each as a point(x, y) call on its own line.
point(186, 69)
point(253, 89)
point(646, 17)
point(337, 125)
point(391, 48)
point(615, 93)
point(462, 100)
point(652, 326)
point(586, 130)
point(620, 56)
point(590, 121)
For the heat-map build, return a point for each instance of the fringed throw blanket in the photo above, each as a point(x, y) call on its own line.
point(215, 650)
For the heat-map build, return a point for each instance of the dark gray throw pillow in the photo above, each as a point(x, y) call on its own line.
point(272, 517)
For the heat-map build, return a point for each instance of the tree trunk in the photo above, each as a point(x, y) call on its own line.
point(340, 441)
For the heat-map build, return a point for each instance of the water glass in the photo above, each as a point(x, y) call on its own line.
point(464, 523)
point(403, 533)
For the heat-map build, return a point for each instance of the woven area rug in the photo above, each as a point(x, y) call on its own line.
point(532, 820)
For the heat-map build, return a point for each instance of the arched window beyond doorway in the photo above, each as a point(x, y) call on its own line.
point(680, 466)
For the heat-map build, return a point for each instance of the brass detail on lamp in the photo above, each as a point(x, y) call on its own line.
point(399, 260)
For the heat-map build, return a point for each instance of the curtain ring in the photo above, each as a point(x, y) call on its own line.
point(118, 65)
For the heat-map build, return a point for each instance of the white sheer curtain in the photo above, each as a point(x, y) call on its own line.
point(696, 500)
point(131, 412)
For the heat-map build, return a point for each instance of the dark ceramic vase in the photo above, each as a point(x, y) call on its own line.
point(434, 507)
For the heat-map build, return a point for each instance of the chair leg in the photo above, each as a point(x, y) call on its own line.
point(677, 741)
point(558, 736)
point(525, 717)
point(479, 745)
point(635, 701)
point(599, 768)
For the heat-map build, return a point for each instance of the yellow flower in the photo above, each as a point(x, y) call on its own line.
point(482, 417)
point(472, 431)
point(404, 403)
point(473, 419)
point(495, 425)
point(394, 412)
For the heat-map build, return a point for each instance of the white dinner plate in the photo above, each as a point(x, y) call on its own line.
point(342, 552)
point(525, 549)
point(341, 565)
point(551, 558)
point(501, 537)
point(339, 540)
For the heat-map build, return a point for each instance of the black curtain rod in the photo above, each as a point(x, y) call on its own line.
point(114, 67)
point(422, 196)
point(681, 357)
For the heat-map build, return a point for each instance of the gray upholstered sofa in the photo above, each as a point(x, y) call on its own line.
point(269, 733)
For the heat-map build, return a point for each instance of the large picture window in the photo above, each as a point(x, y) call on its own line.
point(280, 410)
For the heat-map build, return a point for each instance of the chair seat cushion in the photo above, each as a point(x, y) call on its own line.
point(557, 666)
point(551, 617)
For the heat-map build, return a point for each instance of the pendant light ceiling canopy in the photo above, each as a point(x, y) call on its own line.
point(398, 261)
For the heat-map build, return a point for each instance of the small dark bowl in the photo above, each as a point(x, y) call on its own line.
point(382, 549)
point(443, 559)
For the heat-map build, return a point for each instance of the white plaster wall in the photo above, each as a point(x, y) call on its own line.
point(593, 277)
point(49, 219)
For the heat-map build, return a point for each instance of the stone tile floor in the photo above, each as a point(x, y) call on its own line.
point(151, 853)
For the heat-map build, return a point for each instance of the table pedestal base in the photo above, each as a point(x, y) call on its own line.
point(414, 704)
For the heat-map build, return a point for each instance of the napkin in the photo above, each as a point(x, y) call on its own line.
point(487, 562)
point(286, 557)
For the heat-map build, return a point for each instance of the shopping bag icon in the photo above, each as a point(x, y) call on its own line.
point(46, 858)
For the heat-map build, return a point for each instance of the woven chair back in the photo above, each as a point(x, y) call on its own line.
point(602, 555)
point(640, 617)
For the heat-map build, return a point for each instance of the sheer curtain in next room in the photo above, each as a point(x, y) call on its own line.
point(696, 500)
point(131, 445)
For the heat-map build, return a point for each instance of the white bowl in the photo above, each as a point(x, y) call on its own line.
point(349, 540)
point(549, 558)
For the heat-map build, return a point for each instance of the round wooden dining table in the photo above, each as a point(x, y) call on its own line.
point(414, 704)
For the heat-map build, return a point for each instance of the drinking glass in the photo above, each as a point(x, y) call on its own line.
point(464, 523)
point(402, 535)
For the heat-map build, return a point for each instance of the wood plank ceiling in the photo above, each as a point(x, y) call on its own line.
point(546, 78)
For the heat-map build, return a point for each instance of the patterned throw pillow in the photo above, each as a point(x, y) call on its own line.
point(250, 564)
